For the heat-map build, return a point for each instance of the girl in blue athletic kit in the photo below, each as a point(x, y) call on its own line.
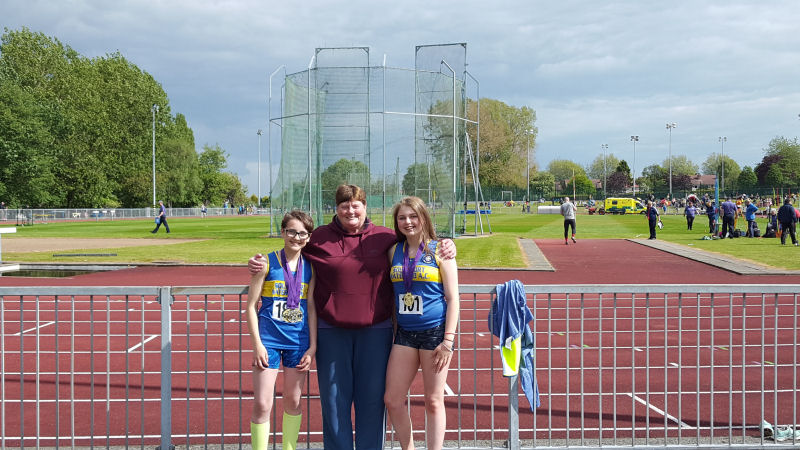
point(283, 329)
point(426, 308)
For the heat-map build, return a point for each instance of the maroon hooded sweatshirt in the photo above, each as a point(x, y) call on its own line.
point(353, 289)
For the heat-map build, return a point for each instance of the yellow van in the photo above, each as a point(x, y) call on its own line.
point(624, 206)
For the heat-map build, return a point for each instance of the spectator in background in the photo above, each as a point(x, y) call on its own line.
point(3, 208)
point(690, 211)
point(711, 213)
point(162, 217)
point(568, 210)
point(750, 215)
point(652, 218)
point(728, 211)
point(787, 218)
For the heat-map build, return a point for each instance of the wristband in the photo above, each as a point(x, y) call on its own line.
point(449, 349)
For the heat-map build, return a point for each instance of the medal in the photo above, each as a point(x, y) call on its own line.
point(294, 288)
point(408, 271)
point(293, 315)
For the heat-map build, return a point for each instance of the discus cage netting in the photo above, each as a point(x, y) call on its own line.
point(392, 131)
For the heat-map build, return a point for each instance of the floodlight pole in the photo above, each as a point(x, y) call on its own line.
point(670, 126)
point(635, 139)
point(269, 142)
point(154, 110)
point(604, 147)
point(528, 166)
point(722, 141)
point(258, 202)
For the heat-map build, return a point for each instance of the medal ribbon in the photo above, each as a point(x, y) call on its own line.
point(294, 283)
point(408, 265)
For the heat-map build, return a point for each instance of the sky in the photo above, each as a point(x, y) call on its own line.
point(595, 72)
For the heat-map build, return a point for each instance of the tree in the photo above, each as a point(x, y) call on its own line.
point(713, 166)
point(747, 179)
point(656, 178)
point(563, 170)
point(343, 171)
point(617, 182)
point(596, 169)
point(84, 138)
point(774, 177)
point(784, 154)
point(681, 165)
point(682, 182)
point(623, 168)
point(507, 134)
point(422, 180)
point(215, 184)
point(583, 185)
point(543, 185)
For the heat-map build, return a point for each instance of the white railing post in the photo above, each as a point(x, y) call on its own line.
point(165, 299)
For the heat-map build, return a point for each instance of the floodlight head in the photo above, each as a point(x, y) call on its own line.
point(258, 132)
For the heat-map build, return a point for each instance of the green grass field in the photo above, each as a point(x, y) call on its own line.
point(229, 240)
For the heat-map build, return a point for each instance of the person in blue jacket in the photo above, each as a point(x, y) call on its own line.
point(750, 211)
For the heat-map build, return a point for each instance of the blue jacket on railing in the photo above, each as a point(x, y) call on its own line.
point(508, 320)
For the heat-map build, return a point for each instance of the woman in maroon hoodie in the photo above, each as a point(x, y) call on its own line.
point(353, 297)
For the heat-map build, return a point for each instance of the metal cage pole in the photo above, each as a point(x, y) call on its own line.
point(269, 139)
point(455, 156)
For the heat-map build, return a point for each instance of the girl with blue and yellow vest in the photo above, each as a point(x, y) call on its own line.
point(283, 329)
point(426, 309)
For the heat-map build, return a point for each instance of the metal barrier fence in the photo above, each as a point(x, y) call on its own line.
point(617, 366)
point(49, 215)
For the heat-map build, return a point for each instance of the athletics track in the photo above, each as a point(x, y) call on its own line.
point(588, 262)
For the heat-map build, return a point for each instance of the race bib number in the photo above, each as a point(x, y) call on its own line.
point(278, 307)
point(414, 308)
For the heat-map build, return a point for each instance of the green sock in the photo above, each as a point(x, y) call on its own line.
point(291, 428)
point(259, 435)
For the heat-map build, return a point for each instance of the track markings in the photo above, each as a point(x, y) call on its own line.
point(34, 328)
point(659, 411)
point(141, 344)
point(448, 391)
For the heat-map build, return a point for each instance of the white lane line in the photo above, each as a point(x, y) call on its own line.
point(668, 416)
point(142, 343)
point(674, 364)
point(447, 390)
point(34, 328)
point(233, 320)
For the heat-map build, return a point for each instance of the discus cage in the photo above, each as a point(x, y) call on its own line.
point(392, 131)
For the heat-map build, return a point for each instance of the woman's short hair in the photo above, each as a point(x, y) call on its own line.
point(350, 193)
point(418, 206)
point(302, 216)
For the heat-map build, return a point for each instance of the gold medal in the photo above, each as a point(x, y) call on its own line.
point(408, 299)
point(293, 315)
